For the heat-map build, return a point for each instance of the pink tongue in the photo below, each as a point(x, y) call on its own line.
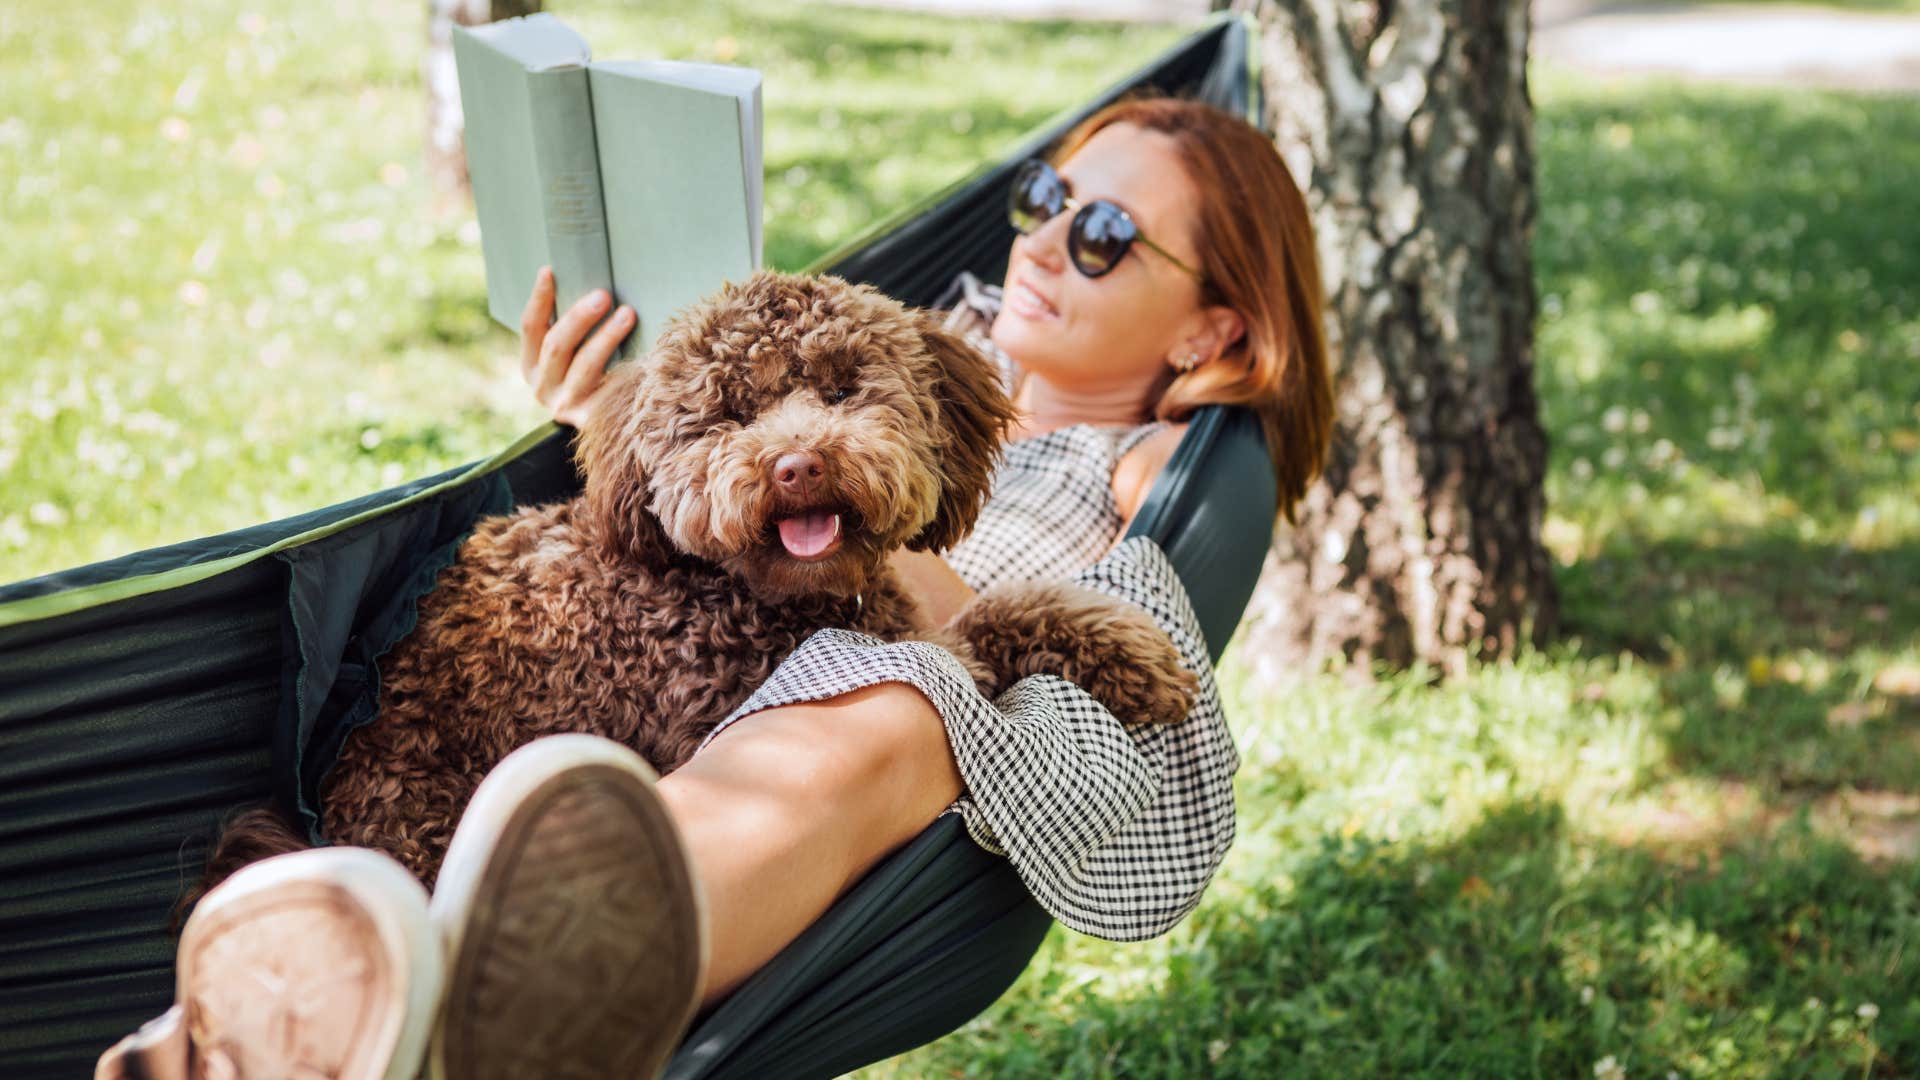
point(809, 534)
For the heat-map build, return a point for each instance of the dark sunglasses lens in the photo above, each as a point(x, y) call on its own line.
point(1101, 235)
point(1036, 196)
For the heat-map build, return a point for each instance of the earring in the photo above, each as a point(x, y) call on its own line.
point(1187, 362)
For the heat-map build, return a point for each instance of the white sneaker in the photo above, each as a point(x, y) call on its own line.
point(316, 963)
point(575, 932)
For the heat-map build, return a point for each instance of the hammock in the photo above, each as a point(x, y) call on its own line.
point(143, 698)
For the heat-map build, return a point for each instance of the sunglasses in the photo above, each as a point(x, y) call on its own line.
point(1101, 232)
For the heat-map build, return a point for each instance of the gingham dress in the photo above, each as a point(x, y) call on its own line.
point(1115, 828)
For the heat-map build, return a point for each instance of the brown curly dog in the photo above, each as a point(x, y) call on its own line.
point(744, 486)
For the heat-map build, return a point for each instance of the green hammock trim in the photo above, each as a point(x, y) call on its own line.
point(62, 603)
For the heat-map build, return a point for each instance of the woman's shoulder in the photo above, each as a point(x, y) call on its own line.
point(1140, 465)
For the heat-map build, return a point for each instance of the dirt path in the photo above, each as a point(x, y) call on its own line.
point(1762, 43)
point(1781, 45)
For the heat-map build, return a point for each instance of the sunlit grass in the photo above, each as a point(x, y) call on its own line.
point(223, 300)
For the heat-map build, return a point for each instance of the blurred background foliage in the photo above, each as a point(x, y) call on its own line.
point(1682, 842)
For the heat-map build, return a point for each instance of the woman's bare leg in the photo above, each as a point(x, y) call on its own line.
point(789, 807)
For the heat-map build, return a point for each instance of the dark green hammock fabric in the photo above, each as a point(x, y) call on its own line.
point(143, 698)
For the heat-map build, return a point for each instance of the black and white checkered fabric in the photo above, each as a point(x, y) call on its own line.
point(1115, 828)
point(1052, 512)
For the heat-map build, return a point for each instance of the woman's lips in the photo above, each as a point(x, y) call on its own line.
point(1029, 304)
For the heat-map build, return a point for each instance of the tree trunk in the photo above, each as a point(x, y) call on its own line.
point(446, 151)
point(1412, 123)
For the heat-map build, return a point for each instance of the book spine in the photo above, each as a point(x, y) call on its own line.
point(567, 163)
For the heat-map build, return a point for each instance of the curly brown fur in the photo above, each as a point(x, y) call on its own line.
point(649, 607)
point(1109, 648)
point(246, 837)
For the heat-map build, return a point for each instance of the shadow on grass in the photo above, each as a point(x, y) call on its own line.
point(1519, 949)
point(1767, 651)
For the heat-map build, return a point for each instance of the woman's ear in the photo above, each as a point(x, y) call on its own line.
point(975, 412)
point(1228, 327)
point(616, 519)
point(1215, 330)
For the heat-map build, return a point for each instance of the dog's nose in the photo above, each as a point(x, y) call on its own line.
point(798, 472)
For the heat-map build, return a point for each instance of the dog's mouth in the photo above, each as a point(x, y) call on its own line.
point(812, 534)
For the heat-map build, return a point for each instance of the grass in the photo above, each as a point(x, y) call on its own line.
point(1680, 841)
point(223, 302)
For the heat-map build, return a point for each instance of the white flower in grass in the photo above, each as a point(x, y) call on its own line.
point(1586, 995)
point(1812, 1004)
point(1609, 1069)
point(1867, 1011)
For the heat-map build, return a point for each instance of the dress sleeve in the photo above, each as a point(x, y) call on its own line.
point(1140, 879)
point(1116, 829)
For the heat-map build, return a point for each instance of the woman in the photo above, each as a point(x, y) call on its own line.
point(1168, 263)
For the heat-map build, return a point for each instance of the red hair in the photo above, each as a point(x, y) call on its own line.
point(1257, 252)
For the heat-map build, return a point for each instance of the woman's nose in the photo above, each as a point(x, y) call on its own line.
point(1047, 245)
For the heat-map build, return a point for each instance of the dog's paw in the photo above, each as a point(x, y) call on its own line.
point(1110, 649)
point(952, 637)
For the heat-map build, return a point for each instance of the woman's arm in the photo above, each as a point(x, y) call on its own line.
point(934, 586)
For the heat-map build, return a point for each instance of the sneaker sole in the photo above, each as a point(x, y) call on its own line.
point(324, 960)
point(575, 932)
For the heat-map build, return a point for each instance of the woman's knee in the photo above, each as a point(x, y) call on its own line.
point(883, 744)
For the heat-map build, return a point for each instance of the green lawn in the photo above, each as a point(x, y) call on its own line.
point(221, 301)
point(1679, 842)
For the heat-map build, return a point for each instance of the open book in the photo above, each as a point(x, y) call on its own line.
point(638, 176)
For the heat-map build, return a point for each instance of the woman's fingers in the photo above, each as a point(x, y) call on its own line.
point(564, 365)
point(533, 322)
point(589, 369)
point(557, 352)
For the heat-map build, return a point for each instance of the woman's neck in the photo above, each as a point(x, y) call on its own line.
point(1046, 407)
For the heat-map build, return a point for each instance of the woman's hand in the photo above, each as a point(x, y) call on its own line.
point(565, 374)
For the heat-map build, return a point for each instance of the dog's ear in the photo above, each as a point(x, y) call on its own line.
point(607, 453)
point(975, 411)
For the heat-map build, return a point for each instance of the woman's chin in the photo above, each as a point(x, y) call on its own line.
point(1021, 338)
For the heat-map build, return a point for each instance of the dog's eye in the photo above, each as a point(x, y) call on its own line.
point(836, 396)
point(739, 412)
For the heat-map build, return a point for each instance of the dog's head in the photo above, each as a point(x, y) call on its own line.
point(794, 430)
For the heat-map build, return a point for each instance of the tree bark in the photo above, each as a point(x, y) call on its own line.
point(446, 150)
point(1412, 125)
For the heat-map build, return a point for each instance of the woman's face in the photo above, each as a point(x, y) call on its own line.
point(1124, 327)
